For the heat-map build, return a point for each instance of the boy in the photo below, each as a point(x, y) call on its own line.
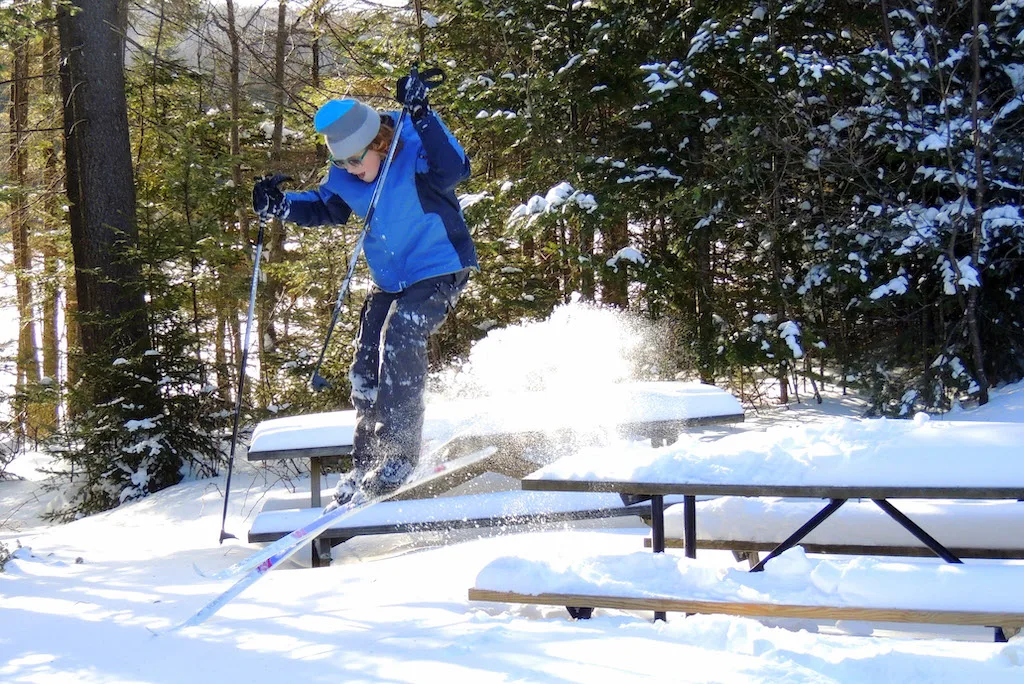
point(420, 255)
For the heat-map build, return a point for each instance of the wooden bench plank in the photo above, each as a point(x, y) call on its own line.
point(458, 470)
point(450, 513)
point(1006, 621)
point(272, 525)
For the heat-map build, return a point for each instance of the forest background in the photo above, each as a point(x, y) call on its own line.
point(809, 192)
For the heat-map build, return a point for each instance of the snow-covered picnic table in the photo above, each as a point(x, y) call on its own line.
point(846, 459)
point(658, 410)
point(875, 459)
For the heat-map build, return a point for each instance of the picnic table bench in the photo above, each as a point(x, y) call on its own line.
point(1006, 622)
point(479, 436)
point(272, 522)
point(473, 511)
point(899, 451)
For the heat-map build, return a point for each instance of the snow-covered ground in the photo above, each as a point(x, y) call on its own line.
point(78, 601)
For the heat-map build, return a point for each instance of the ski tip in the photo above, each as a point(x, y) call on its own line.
point(217, 576)
point(191, 622)
point(164, 631)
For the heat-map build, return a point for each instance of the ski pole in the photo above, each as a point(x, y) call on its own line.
point(241, 374)
point(318, 381)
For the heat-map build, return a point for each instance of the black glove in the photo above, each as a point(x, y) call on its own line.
point(412, 93)
point(267, 198)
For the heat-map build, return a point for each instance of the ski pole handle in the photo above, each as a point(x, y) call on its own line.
point(432, 77)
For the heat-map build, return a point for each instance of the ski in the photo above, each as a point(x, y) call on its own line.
point(296, 538)
point(260, 564)
point(313, 529)
point(254, 567)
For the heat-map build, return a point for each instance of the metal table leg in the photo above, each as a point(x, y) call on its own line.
point(314, 482)
point(314, 501)
point(658, 523)
point(658, 535)
point(820, 517)
point(690, 525)
point(910, 526)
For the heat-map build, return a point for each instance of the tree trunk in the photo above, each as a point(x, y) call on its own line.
point(27, 363)
point(979, 199)
point(51, 289)
point(72, 325)
point(235, 96)
point(194, 269)
point(782, 372)
point(274, 248)
point(314, 73)
point(706, 356)
point(228, 340)
point(780, 305)
point(586, 243)
point(100, 183)
point(54, 223)
point(614, 284)
point(567, 282)
point(73, 330)
point(221, 342)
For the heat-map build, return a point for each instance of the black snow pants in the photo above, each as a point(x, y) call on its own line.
point(389, 371)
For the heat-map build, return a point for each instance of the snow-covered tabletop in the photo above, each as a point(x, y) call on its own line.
point(581, 408)
point(310, 431)
point(844, 457)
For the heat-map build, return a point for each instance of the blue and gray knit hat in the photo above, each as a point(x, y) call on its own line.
point(348, 127)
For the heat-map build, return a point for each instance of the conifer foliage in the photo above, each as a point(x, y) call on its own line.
point(804, 192)
point(809, 184)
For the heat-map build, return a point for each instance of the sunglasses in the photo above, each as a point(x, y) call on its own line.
point(351, 161)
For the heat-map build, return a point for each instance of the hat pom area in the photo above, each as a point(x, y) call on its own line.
point(348, 126)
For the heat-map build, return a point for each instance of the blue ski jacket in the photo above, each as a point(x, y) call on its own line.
point(418, 230)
